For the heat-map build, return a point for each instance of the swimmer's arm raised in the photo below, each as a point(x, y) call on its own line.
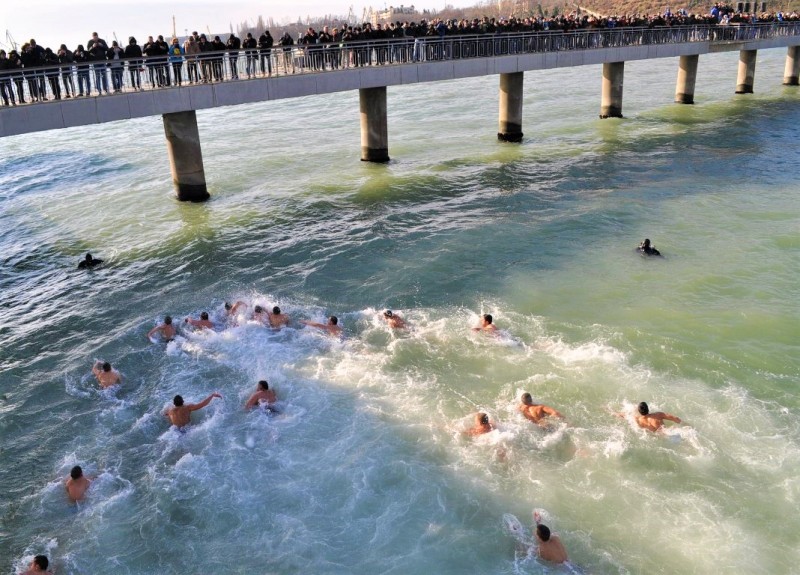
point(668, 416)
point(202, 404)
point(252, 402)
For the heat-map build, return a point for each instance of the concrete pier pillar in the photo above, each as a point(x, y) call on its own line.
point(611, 96)
point(185, 156)
point(510, 120)
point(374, 130)
point(687, 75)
point(792, 70)
point(747, 71)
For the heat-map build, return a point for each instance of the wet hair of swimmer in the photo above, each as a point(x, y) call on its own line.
point(41, 561)
point(177, 401)
point(526, 398)
point(88, 257)
point(168, 320)
point(487, 317)
point(543, 532)
point(259, 309)
point(276, 310)
point(106, 366)
point(388, 313)
point(333, 320)
point(483, 419)
point(204, 315)
point(76, 472)
point(643, 409)
point(228, 306)
point(263, 384)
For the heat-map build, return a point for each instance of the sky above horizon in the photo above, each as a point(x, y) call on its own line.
point(54, 23)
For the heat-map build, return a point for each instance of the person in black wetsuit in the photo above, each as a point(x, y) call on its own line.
point(648, 249)
point(89, 262)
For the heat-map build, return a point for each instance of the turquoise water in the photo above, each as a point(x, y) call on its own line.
point(366, 470)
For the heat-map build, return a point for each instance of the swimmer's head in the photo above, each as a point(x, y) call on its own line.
point(88, 257)
point(259, 309)
point(263, 385)
point(168, 320)
point(228, 306)
point(543, 532)
point(204, 315)
point(177, 401)
point(643, 409)
point(76, 472)
point(646, 243)
point(106, 366)
point(333, 320)
point(526, 398)
point(41, 562)
point(276, 310)
point(487, 318)
point(388, 313)
point(481, 419)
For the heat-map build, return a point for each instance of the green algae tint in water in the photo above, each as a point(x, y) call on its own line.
point(366, 469)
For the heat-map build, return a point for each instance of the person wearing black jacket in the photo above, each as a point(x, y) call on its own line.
point(150, 50)
point(6, 91)
point(51, 72)
point(218, 51)
point(205, 57)
point(265, 43)
point(233, 45)
point(133, 54)
point(116, 56)
point(65, 59)
point(30, 62)
point(286, 42)
point(249, 44)
point(81, 57)
point(97, 49)
point(162, 70)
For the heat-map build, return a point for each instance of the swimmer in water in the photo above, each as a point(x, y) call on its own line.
point(277, 319)
point(260, 315)
point(393, 320)
point(549, 546)
point(482, 425)
point(180, 413)
point(105, 375)
point(77, 484)
point(647, 249)
point(332, 327)
point(536, 412)
point(89, 262)
point(231, 310)
point(39, 565)
point(486, 324)
point(202, 323)
point(651, 421)
point(263, 394)
point(166, 330)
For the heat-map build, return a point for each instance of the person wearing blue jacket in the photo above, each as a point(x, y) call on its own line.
point(176, 60)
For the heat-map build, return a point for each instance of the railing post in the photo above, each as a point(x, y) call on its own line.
point(185, 156)
point(510, 120)
point(687, 75)
point(792, 69)
point(747, 71)
point(611, 96)
point(374, 128)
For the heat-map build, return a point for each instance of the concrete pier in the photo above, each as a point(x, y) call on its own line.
point(611, 96)
point(792, 70)
point(510, 120)
point(374, 130)
point(185, 156)
point(747, 71)
point(687, 75)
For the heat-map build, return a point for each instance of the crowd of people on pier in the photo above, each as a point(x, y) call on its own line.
point(35, 73)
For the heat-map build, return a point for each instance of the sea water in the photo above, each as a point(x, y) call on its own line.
point(366, 468)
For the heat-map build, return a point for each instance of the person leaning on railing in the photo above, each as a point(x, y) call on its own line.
point(6, 90)
point(191, 49)
point(233, 45)
point(115, 56)
point(82, 58)
point(175, 56)
point(133, 54)
point(97, 50)
point(265, 44)
point(66, 59)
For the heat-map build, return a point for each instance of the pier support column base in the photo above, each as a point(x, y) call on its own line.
point(510, 117)
point(791, 72)
point(374, 127)
point(185, 156)
point(687, 76)
point(611, 90)
point(747, 71)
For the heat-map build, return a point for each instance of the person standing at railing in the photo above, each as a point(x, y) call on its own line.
point(233, 45)
point(6, 91)
point(324, 40)
point(133, 54)
point(205, 57)
point(30, 62)
point(162, 61)
point(65, 59)
point(191, 50)
point(115, 56)
point(250, 54)
point(218, 53)
point(98, 49)
point(265, 44)
point(286, 42)
point(176, 61)
point(81, 58)
point(150, 50)
point(51, 72)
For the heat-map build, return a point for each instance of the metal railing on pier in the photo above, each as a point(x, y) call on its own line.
point(95, 78)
